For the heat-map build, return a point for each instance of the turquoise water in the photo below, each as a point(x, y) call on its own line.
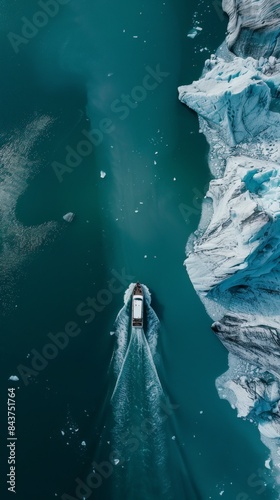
point(74, 72)
point(138, 402)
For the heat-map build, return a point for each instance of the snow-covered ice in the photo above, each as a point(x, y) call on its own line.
point(233, 259)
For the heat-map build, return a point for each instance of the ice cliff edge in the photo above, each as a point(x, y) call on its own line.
point(233, 259)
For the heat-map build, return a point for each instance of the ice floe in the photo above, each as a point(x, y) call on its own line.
point(69, 216)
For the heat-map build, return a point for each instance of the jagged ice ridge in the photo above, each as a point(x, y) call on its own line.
point(233, 259)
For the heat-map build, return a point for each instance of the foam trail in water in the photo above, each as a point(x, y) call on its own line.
point(17, 242)
point(152, 322)
point(122, 326)
point(138, 433)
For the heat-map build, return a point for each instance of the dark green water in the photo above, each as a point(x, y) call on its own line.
point(130, 220)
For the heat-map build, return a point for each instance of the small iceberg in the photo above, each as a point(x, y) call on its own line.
point(14, 378)
point(102, 174)
point(194, 32)
point(267, 463)
point(69, 216)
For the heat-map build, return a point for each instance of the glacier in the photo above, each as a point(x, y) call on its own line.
point(233, 258)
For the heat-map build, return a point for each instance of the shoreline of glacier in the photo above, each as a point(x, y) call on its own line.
point(233, 259)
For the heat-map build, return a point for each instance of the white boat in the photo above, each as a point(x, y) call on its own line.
point(137, 306)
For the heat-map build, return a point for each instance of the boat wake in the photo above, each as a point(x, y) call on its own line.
point(137, 402)
point(122, 327)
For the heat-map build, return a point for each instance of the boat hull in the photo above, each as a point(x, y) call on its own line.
point(137, 308)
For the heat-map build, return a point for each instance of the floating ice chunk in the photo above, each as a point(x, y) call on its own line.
point(83, 443)
point(221, 492)
point(116, 461)
point(201, 412)
point(102, 174)
point(173, 438)
point(112, 333)
point(194, 32)
point(267, 463)
point(14, 378)
point(69, 216)
point(145, 256)
point(63, 433)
